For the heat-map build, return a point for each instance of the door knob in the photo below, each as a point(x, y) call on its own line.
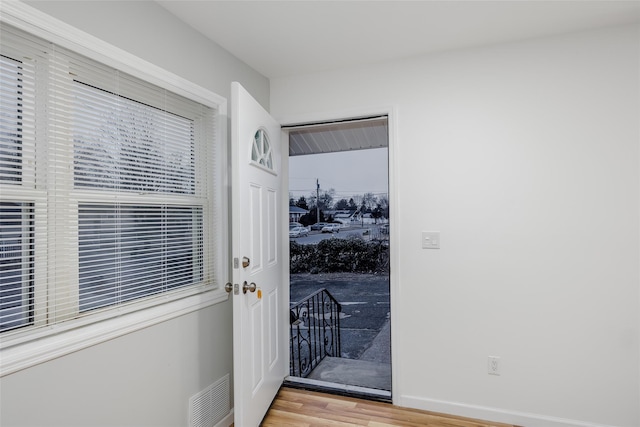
point(228, 287)
point(251, 288)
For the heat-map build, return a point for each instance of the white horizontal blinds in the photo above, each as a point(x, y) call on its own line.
point(106, 188)
point(20, 59)
point(17, 107)
point(131, 251)
point(10, 120)
point(16, 264)
point(205, 157)
point(125, 145)
point(134, 151)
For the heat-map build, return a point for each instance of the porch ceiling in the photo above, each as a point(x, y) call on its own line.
point(350, 135)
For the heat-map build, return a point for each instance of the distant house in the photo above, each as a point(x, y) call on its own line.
point(344, 216)
point(341, 215)
point(295, 213)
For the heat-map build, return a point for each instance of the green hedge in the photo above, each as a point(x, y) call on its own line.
point(351, 255)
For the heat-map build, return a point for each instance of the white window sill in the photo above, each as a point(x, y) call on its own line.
point(59, 340)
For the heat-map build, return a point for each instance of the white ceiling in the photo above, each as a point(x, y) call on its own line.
point(285, 38)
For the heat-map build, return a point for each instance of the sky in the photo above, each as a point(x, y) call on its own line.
point(348, 172)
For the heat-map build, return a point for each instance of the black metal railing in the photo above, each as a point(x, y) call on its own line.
point(314, 331)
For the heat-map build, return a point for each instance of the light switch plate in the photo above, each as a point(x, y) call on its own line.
point(430, 240)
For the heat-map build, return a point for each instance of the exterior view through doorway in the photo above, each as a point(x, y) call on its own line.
point(340, 332)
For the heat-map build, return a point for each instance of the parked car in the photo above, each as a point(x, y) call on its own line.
point(298, 232)
point(331, 228)
point(319, 225)
point(294, 225)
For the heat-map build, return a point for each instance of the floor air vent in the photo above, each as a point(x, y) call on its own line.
point(211, 405)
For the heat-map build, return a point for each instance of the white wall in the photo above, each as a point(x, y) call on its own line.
point(526, 158)
point(141, 379)
point(144, 378)
point(150, 32)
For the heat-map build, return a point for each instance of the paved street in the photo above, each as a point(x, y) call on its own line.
point(353, 230)
point(365, 305)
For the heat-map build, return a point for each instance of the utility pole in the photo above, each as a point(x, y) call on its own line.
point(318, 199)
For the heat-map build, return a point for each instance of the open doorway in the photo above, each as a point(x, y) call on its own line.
point(339, 257)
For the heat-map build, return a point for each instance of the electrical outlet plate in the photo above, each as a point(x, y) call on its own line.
point(493, 365)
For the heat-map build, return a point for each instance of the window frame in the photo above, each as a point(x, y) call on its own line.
point(22, 349)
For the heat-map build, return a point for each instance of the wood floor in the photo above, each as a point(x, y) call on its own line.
point(302, 408)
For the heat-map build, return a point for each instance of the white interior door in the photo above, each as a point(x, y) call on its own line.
point(259, 304)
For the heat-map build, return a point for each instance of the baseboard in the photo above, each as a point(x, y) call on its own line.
point(226, 421)
point(490, 414)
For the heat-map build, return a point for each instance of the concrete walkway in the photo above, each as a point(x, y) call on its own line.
point(371, 370)
point(380, 350)
point(362, 373)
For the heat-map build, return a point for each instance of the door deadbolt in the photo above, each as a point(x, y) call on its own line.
point(245, 262)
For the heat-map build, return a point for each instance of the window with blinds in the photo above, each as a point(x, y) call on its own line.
point(124, 145)
point(105, 187)
point(131, 251)
point(16, 264)
point(10, 120)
